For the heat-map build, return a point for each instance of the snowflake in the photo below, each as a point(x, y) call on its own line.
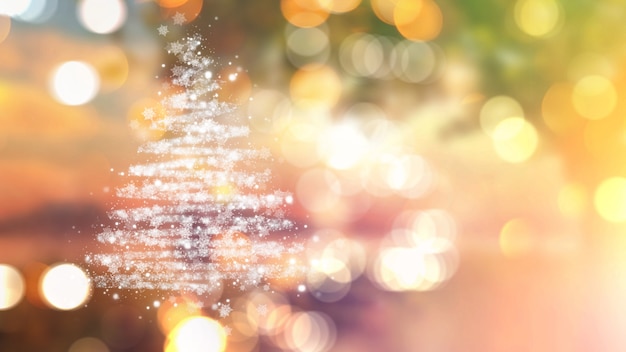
point(225, 310)
point(261, 309)
point(179, 18)
point(176, 48)
point(228, 330)
point(163, 30)
point(148, 113)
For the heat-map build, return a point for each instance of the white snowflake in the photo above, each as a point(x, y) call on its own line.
point(163, 30)
point(148, 113)
point(179, 18)
point(224, 310)
point(176, 48)
point(228, 330)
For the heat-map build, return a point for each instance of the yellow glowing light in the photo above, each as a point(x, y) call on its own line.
point(588, 63)
point(610, 199)
point(102, 16)
point(496, 110)
point(11, 287)
point(572, 199)
point(146, 128)
point(418, 19)
point(515, 238)
point(339, 6)
point(196, 333)
point(88, 344)
point(303, 13)
point(112, 67)
point(315, 86)
point(65, 286)
point(515, 140)
point(538, 18)
point(171, 3)
point(594, 97)
point(384, 9)
point(75, 83)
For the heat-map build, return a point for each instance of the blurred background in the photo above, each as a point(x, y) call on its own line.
point(459, 166)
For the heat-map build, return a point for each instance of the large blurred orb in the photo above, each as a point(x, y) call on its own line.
point(102, 16)
point(538, 18)
point(14, 8)
point(11, 287)
point(65, 286)
point(74, 83)
point(594, 97)
point(197, 333)
point(38, 11)
point(515, 140)
point(610, 199)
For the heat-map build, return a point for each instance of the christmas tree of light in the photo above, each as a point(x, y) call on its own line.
point(197, 215)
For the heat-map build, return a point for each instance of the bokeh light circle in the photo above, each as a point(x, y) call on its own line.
point(12, 287)
point(65, 286)
point(538, 18)
point(197, 334)
point(102, 16)
point(516, 238)
point(515, 140)
point(610, 199)
point(88, 344)
point(418, 20)
point(310, 332)
point(74, 83)
point(594, 97)
point(497, 109)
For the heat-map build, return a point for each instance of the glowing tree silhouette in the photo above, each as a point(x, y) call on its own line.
point(197, 215)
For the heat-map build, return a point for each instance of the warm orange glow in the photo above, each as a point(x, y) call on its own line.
point(303, 13)
point(418, 20)
point(557, 110)
point(384, 9)
point(189, 8)
point(339, 6)
point(143, 126)
point(171, 3)
point(315, 86)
